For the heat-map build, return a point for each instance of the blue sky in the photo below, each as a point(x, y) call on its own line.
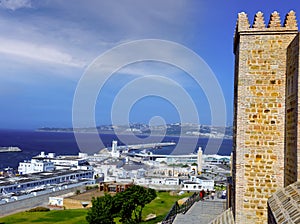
point(46, 46)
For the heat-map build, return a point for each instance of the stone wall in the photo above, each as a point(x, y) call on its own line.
point(225, 218)
point(26, 204)
point(292, 156)
point(259, 113)
point(70, 203)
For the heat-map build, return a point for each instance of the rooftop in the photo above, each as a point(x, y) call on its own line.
point(59, 158)
point(284, 204)
point(37, 176)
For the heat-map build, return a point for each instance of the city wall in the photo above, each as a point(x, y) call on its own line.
point(31, 202)
point(259, 122)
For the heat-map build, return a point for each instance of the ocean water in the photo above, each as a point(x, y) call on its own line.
point(61, 143)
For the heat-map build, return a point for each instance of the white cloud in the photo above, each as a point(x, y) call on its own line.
point(15, 4)
point(150, 68)
point(38, 52)
point(59, 33)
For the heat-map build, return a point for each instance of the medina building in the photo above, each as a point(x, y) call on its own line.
point(266, 145)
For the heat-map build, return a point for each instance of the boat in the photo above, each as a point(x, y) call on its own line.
point(10, 149)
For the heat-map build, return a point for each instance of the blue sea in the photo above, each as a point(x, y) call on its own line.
point(63, 143)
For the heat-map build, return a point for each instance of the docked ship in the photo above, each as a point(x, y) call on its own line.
point(10, 149)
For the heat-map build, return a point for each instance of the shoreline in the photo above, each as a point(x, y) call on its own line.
point(142, 135)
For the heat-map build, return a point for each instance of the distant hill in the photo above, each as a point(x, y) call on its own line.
point(175, 129)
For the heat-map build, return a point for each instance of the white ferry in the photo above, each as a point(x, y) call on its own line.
point(10, 149)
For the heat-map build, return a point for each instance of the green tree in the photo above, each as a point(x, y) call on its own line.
point(102, 210)
point(127, 205)
point(131, 203)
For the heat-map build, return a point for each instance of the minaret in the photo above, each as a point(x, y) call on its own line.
point(199, 160)
point(114, 149)
point(259, 112)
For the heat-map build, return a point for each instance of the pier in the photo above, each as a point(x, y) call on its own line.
point(144, 146)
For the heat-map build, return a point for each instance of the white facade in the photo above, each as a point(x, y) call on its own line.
point(83, 168)
point(205, 184)
point(183, 159)
point(49, 162)
point(159, 181)
point(172, 181)
point(40, 181)
point(35, 166)
point(56, 201)
point(67, 161)
point(216, 159)
point(114, 150)
point(196, 184)
point(192, 186)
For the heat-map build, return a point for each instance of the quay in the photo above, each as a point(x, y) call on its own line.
point(144, 146)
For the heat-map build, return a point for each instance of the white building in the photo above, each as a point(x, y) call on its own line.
point(192, 186)
point(56, 201)
point(49, 162)
point(197, 183)
point(205, 183)
point(216, 159)
point(64, 160)
point(172, 181)
point(35, 166)
point(42, 180)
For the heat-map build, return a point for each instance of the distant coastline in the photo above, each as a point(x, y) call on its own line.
point(32, 142)
point(144, 130)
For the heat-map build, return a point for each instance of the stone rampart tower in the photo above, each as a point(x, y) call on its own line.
point(260, 112)
point(292, 129)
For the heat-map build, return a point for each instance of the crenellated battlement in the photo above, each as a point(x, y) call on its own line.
point(259, 25)
point(243, 24)
point(274, 21)
point(259, 21)
point(290, 20)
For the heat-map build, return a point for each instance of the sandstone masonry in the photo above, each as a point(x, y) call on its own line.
point(266, 112)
